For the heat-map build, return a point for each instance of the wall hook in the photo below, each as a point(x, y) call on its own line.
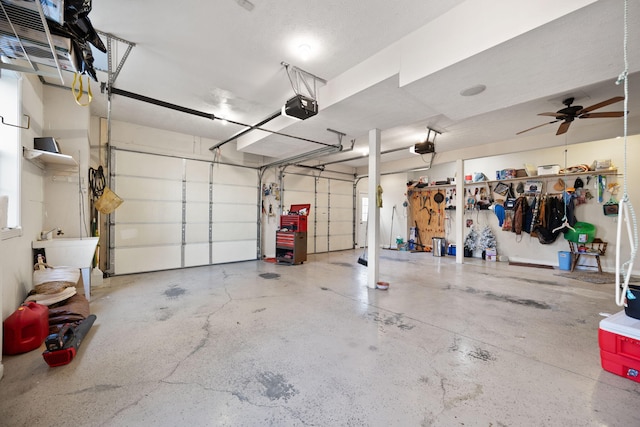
point(18, 126)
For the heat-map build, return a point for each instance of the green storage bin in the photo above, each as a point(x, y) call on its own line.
point(584, 233)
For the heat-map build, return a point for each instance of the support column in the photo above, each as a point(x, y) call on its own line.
point(460, 199)
point(373, 222)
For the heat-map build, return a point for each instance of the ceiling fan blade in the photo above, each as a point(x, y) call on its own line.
point(564, 127)
point(535, 127)
point(602, 115)
point(556, 115)
point(601, 104)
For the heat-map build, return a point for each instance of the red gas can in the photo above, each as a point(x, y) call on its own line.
point(26, 329)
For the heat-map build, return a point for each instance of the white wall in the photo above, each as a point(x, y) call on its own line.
point(15, 253)
point(527, 249)
point(394, 195)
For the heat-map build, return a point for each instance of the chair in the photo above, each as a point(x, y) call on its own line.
point(595, 249)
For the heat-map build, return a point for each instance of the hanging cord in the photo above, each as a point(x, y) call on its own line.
point(77, 95)
point(565, 223)
point(97, 182)
point(625, 208)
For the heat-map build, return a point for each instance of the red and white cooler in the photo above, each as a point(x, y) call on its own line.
point(619, 339)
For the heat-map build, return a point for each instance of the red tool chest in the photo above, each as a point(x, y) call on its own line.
point(291, 239)
point(619, 339)
point(296, 219)
point(291, 247)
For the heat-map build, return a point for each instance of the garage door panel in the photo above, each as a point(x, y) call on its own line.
point(197, 192)
point(234, 213)
point(233, 251)
point(127, 235)
point(322, 186)
point(299, 184)
point(136, 260)
point(321, 244)
point(311, 241)
point(339, 243)
point(149, 211)
point(197, 212)
point(151, 221)
point(340, 227)
point(233, 231)
point(196, 171)
point(196, 233)
point(196, 254)
point(341, 201)
point(226, 174)
point(150, 166)
point(138, 188)
point(234, 194)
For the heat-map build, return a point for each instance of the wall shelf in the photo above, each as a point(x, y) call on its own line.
point(550, 176)
point(518, 179)
point(49, 160)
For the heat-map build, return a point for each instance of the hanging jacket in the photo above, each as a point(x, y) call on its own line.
point(519, 211)
point(527, 225)
point(553, 219)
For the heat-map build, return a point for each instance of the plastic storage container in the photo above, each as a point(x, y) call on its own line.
point(25, 329)
point(564, 260)
point(619, 340)
point(584, 233)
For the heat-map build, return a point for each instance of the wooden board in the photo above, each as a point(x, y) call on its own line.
point(426, 215)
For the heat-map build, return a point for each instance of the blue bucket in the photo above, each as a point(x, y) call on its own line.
point(564, 259)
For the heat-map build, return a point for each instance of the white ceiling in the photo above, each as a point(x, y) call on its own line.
point(395, 66)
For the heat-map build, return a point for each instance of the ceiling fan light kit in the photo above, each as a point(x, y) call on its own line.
point(572, 112)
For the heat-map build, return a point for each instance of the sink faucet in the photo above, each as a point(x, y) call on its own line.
point(44, 235)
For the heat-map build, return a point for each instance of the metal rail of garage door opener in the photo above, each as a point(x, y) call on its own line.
point(115, 91)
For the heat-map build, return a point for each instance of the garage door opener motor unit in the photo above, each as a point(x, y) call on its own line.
point(300, 107)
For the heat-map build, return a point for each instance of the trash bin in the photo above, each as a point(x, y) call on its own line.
point(564, 260)
point(438, 246)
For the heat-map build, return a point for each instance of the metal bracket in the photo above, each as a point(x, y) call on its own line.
point(113, 75)
point(18, 126)
point(298, 75)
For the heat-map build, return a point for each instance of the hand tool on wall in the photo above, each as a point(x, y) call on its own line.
point(419, 242)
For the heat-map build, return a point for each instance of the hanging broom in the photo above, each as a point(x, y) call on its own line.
point(363, 258)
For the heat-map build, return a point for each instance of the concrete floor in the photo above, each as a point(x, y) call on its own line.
point(260, 344)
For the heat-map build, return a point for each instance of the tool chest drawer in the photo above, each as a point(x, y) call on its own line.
point(285, 239)
point(291, 247)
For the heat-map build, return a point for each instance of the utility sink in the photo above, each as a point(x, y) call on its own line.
point(70, 252)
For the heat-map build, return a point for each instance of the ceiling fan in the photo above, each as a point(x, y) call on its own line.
point(572, 112)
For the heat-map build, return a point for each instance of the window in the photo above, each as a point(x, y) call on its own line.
point(364, 209)
point(10, 159)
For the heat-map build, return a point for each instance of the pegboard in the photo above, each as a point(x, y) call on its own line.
point(427, 215)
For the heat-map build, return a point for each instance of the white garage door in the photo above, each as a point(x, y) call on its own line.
point(180, 213)
point(330, 223)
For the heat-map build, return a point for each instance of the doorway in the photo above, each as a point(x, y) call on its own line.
point(363, 204)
